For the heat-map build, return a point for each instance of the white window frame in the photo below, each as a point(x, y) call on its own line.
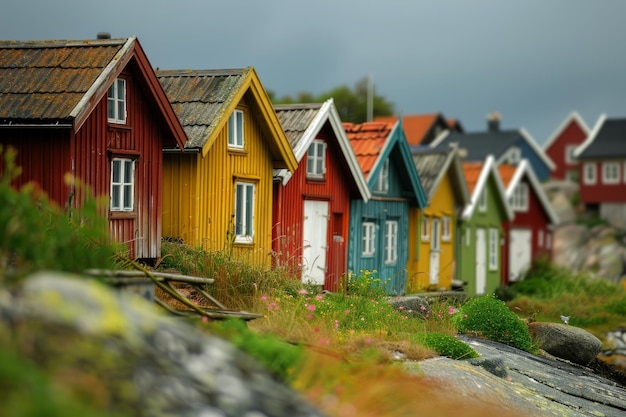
point(425, 228)
point(519, 199)
point(368, 239)
point(446, 226)
point(494, 248)
point(610, 172)
point(382, 182)
point(514, 155)
point(590, 173)
point(482, 200)
point(123, 187)
point(316, 159)
point(236, 129)
point(569, 155)
point(244, 212)
point(391, 242)
point(116, 105)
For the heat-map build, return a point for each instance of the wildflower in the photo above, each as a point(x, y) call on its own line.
point(319, 297)
point(346, 311)
point(422, 307)
point(336, 325)
point(362, 318)
point(368, 340)
point(264, 298)
point(311, 307)
point(303, 292)
point(451, 310)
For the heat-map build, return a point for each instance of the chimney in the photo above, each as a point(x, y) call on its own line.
point(493, 121)
point(103, 35)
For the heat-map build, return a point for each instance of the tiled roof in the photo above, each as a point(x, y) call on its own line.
point(200, 98)
point(416, 126)
point(368, 140)
point(481, 144)
point(46, 80)
point(429, 164)
point(506, 171)
point(295, 120)
point(607, 140)
point(472, 171)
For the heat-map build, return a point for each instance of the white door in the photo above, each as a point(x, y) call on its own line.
point(314, 242)
point(481, 261)
point(519, 252)
point(435, 249)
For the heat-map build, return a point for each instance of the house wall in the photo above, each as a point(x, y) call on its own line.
point(207, 202)
point(378, 210)
point(441, 204)
point(571, 135)
point(491, 218)
point(48, 154)
point(287, 242)
point(537, 221)
point(601, 192)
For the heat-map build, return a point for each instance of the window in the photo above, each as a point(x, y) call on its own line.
point(316, 160)
point(244, 212)
point(435, 232)
point(122, 184)
point(391, 241)
point(235, 130)
point(494, 245)
point(425, 228)
point(382, 184)
point(468, 236)
point(589, 175)
point(514, 155)
point(569, 154)
point(116, 97)
point(447, 229)
point(519, 199)
point(482, 200)
point(610, 172)
point(540, 239)
point(369, 238)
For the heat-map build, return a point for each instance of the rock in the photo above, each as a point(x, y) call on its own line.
point(534, 386)
point(412, 306)
point(149, 364)
point(566, 342)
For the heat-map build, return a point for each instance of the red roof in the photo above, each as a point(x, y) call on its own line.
point(415, 126)
point(506, 173)
point(472, 171)
point(368, 140)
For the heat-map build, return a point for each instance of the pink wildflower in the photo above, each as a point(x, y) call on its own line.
point(264, 298)
point(451, 310)
point(319, 297)
point(422, 307)
point(311, 307)
point(303, 291)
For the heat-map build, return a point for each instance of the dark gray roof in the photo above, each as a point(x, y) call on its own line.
point(200, 98)
point(609, 141)
point(481, 144)
point(429, 163)
point(295, 119)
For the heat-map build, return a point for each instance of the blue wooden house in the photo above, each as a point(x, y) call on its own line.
point(378, 238)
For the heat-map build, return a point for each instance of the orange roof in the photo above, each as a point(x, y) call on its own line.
point(415, 126)
point(506, 173)
point(368, 140)
point(472, 171)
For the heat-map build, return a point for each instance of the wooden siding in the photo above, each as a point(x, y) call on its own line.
point(443, 203)
point(492, 218)
point(600, 192)
point(571, 135)
point(199, 193)
point(48, 154)
point(288, 220)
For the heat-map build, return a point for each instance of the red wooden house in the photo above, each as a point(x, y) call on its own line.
point(531, 229)
point(561, 145)
point(93, 109)
point(312, 205)
point(603, 170)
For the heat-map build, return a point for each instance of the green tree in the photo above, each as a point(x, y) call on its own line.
point(351, 103)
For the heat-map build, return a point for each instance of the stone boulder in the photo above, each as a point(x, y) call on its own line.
point(141, 362)
point(412, 306)
point(566, 342)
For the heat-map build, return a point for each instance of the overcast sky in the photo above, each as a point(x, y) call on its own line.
point(533, 61)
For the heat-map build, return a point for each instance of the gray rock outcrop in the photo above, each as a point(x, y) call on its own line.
point(148, 363)
point(566, 342)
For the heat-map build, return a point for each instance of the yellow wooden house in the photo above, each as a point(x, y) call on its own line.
point(432, 231)
point(217, 193)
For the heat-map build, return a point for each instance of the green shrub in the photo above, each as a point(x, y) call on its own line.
point(446, 345)
point(491, 318)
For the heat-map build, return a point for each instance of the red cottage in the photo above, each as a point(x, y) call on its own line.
point(531, 230)
point(561, 145)
point(93, 109)
point(312, 206)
